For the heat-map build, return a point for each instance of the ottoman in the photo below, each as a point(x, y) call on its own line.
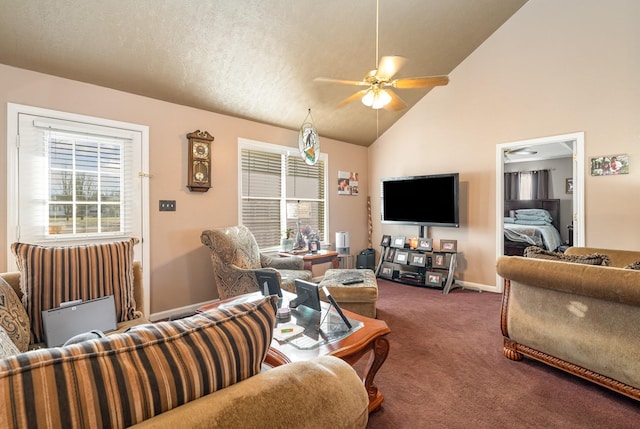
point(358, 297)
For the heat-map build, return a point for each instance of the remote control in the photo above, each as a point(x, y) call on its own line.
point(351, 281)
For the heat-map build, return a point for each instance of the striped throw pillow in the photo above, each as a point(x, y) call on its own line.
point(123, 379)
point(52, 275)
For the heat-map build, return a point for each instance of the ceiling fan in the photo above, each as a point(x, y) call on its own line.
point(520, 151)
point(508, 153)
point(377, 94)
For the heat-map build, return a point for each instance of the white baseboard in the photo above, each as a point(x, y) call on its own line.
point(476, 286)
point(167, 314)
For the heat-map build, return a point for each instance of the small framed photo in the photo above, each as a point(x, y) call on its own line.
point(386, 240)
point(434, 279)
point(610, 165)
point(401, 257)
point(439, 260)
point(449, 245)
point(425, 244)
point(398, 242)
point(386, 271)
point(417, 259)
point(391, 254)
point(568, 185)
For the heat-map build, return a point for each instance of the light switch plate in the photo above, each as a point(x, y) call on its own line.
point(167, 205)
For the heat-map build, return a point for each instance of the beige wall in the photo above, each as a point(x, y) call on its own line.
point(555, 67)
point(180, 269)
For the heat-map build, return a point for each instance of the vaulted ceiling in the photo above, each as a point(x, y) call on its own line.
point(253, 59)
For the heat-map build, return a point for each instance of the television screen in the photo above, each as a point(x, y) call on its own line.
point(421, 200)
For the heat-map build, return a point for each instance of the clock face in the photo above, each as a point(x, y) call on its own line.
point(200, 150)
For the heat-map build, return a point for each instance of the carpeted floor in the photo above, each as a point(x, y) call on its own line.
point(446, 370)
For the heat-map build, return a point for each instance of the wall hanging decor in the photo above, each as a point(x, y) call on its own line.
point(308, 141)
point(199, 168)
point(347, 183)
point(610, 165)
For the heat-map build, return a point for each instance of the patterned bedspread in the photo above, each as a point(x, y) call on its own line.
point(545, 236)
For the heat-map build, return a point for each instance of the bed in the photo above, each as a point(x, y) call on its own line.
point(531, 223)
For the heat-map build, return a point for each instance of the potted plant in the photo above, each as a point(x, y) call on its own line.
point(286, 243)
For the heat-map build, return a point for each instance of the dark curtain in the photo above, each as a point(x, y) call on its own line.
point(512, 185)
point(539, 184)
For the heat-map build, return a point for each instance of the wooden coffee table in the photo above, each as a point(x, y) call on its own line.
point(369, 337)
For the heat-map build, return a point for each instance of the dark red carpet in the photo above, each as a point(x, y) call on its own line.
point(446, 370)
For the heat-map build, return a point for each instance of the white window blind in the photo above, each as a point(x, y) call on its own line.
point(76, 181)
point(273, 176)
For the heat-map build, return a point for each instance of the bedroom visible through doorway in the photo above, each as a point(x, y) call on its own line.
point(560, 161)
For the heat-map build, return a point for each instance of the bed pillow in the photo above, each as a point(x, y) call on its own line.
point(531, 222)
point(593, 259)
point(52, 275)
point(13, 317)
point(123, 379)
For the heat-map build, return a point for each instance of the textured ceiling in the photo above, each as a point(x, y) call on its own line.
point(253, 59)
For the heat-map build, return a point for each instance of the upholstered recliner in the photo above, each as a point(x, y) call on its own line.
point(235, 257)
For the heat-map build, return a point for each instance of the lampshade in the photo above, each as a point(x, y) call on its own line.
point(299, 210)
point(376, 98)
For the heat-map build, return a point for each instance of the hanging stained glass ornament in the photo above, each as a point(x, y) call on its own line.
point(308, 141)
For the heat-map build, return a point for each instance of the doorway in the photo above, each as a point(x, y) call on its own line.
point(537, 149)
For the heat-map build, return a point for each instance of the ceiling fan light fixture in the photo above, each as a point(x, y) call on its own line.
point(376, 98)
point(368, 98)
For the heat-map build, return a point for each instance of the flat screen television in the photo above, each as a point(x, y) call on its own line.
point(431, 200)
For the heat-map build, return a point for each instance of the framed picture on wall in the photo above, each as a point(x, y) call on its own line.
point(568, 185)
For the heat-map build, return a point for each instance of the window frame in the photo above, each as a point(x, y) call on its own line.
point(286, 151)
point(141, 207)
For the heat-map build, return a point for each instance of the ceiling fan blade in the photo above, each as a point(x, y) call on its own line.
point(420, 82)
point(389, 66)
point(357, 96)
point(340, 81)
point(396, 102)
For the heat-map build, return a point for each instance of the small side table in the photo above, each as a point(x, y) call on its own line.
point(311, 259)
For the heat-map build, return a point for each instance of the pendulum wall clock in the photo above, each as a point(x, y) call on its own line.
point(199, 179)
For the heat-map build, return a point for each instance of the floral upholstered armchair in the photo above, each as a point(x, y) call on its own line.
point(236, 258)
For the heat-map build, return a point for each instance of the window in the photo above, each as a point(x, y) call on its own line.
point(75, 179)
point(273, 178)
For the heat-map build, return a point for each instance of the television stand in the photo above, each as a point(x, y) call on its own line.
point(434, 269)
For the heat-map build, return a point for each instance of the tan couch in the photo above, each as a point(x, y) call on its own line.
point(580, 318)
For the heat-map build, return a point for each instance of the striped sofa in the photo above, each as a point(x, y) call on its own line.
point(201, 371)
